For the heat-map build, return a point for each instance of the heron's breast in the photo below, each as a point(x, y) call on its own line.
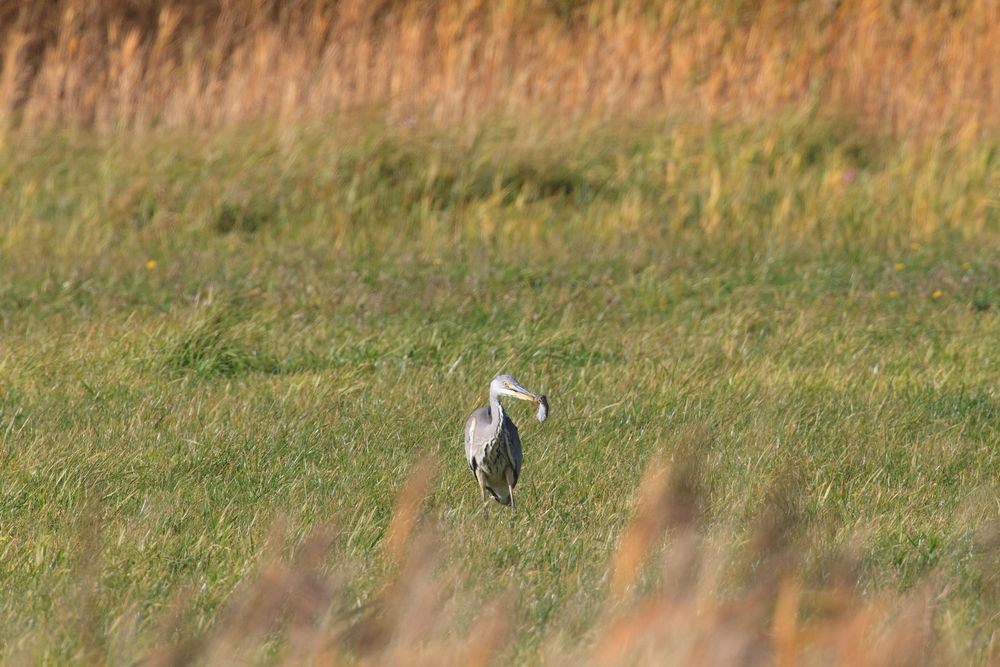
point(495, 458)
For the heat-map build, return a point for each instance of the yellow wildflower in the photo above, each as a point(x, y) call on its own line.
point(899, 266)
point(936, 294)
point(893, 294)
point(966, 265)
point(150, 264)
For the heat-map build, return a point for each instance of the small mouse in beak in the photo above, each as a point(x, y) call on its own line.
point(543, 408)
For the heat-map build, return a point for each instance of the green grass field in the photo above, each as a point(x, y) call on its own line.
point(202, 335)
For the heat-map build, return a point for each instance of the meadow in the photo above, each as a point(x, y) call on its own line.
point(238, 344)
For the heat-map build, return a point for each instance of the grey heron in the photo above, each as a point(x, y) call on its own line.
point(492, 444)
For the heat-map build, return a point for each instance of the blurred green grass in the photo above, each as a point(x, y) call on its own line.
point(202, 333)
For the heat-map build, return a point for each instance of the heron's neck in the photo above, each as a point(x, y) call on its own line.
point(496, 410)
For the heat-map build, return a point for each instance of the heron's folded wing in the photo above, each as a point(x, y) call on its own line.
point(473, 444)
point(514, 444)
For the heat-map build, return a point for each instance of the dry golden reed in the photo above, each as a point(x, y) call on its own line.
point(294, 612)
point(913, 68)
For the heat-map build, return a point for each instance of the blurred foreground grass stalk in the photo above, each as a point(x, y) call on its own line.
point(292, 610)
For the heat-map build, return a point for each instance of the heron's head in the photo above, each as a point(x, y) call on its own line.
point(505, 385)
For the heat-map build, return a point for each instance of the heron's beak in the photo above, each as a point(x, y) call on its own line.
point(517, 391)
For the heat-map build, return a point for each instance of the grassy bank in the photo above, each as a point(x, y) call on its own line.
point(204, 334)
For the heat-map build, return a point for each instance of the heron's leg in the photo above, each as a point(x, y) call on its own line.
point(509, 474)
point(482, 484)
point(482, 489)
